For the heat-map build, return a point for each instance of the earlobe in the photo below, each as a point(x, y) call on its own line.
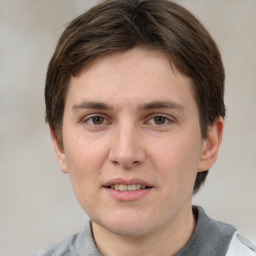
point(59, 152)
point(211, 145)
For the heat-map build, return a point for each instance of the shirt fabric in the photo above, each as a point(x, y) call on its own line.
point(210, 237)
point(240, 246)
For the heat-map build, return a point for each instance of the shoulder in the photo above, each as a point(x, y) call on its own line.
point(62, 248)
point(240, 246)
point(78, 244)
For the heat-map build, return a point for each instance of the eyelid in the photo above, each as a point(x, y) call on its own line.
point(168, 118)
point(91, 116)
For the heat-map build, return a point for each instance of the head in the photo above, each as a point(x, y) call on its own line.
point(116, 26)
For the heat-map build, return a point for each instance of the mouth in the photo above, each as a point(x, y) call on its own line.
point(127, 190)
point(131, 187)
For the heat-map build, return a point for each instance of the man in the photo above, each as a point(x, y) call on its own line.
point(134, 100)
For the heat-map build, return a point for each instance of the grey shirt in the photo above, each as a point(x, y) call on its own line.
point(210, 237)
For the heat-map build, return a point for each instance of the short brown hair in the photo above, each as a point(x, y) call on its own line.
point(119, 25)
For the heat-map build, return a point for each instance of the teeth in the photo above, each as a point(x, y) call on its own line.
point(123, 187)
point(131, 187)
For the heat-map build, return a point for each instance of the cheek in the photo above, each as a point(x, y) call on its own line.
point(85, 153)
point(84, 171)
point(176, 160)
point(84, 161)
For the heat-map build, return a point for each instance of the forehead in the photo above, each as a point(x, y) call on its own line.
point(140, 59)
point(138, 73)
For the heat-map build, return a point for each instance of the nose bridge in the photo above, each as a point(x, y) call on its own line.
point(126, 148)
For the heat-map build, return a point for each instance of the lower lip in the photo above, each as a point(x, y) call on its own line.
point(128, 195)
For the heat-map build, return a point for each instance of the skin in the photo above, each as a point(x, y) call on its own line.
point(144, 126)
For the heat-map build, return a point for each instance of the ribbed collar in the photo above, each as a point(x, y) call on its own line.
point(210, 237)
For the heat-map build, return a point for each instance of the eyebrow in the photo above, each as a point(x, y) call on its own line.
point(160, 104)
point(147, 106)
point(92, 105)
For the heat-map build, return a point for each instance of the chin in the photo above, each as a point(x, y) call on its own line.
point(130, 231)
point(126, 225)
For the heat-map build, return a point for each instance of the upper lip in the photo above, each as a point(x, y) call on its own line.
point(126, 182)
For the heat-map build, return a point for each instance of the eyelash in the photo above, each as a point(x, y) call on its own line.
point(166, 119)
point(90, 120)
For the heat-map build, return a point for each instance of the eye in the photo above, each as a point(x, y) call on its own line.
point(95, 120)
point(159, 120)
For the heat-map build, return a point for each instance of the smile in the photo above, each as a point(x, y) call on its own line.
point(123, 187)
point(127, 190)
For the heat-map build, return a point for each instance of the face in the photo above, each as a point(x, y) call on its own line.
point(132, 142)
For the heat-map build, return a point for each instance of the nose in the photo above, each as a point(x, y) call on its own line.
point(126, 147)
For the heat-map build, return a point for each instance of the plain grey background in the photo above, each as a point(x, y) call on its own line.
point(37, 205)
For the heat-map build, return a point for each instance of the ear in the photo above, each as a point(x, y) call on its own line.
point(211, 145)
point(59, 152)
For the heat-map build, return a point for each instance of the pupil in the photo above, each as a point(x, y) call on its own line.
point(159, 120)
point(98, 120)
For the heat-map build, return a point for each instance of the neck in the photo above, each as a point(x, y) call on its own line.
point(165, 241)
